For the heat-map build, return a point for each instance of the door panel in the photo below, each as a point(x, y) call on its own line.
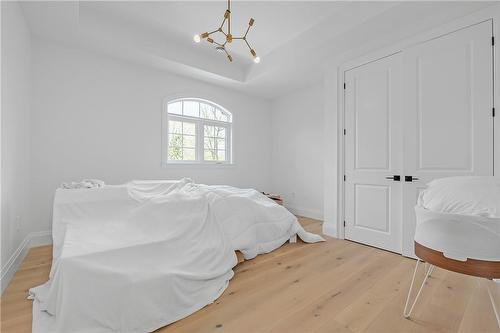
point(373, 152)
point(435, 109)
point(371, 110)
point(372, 207)
point(448, 115)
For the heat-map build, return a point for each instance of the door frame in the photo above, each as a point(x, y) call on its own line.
point(486, 14)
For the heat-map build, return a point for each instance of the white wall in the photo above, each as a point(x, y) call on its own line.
point(15, 138)
point(332, 186)
point(98, 117)
point(297, 150)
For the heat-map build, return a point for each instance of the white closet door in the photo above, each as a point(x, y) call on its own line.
point(447, 113)
point(373, 153)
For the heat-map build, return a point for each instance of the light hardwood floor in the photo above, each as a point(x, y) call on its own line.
point(336, 286)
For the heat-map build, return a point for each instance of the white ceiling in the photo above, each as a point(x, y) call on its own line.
point(275, 22)
point(294, 38)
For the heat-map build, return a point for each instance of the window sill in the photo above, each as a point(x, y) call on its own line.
point(198, 165)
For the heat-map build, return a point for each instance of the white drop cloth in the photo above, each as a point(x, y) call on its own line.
point(475, 196)
point(460, 216)
point(135, 257)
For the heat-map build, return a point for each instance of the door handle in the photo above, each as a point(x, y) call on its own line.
point(410, 179)
point(396, 178)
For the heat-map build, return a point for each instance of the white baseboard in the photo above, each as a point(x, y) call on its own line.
point(33, 239)
point(13, 263)
point(40, 238)
point(330, 230)
point(310, 213)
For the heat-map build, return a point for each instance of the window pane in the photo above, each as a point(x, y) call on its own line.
point(210, 155)
point(189, 128)
point(209, 130)
point(221, 155)
point(188, 141)
point(181, 141)
point(207, 111)
point(192, 109)
point(175, 108)
point(189, 154)
point(174, 127)
point(215, 131)
point(221, 144)
point(220, 132)
point(175, 140)
point(209, 143)
point(174, 155)
point(175, 147)
point(221, 116)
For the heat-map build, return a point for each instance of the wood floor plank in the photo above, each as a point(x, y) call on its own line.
point(348, 286)
point(391, 319)
point(247, 297)
point(297, 289)
point(335, 286)
point(360, 313)
point(438, 310)
point(479, 315)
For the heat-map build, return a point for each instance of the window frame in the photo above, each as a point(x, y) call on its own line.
point(200, 133)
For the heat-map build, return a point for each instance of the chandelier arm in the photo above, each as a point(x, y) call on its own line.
point(247, 43)
point(222, 24)
point(229, 17)
point(228, 55)
point(246, 32)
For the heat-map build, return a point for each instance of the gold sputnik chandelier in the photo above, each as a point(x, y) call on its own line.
point(227, 35)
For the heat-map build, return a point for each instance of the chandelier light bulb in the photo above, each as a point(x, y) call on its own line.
point(196, 38)
point(256, 60)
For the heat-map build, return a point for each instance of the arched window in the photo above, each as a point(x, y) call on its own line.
point(197, 131)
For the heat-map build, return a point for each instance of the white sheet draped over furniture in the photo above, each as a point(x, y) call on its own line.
point(458, 229)
point(471, 196)
point(460, 216)
point(135, 257)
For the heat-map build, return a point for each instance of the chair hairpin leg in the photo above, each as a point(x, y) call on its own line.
point(429, 268)
point(428, 273)
point(492, 300)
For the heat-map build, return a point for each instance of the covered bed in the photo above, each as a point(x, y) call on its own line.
point(138, 256)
